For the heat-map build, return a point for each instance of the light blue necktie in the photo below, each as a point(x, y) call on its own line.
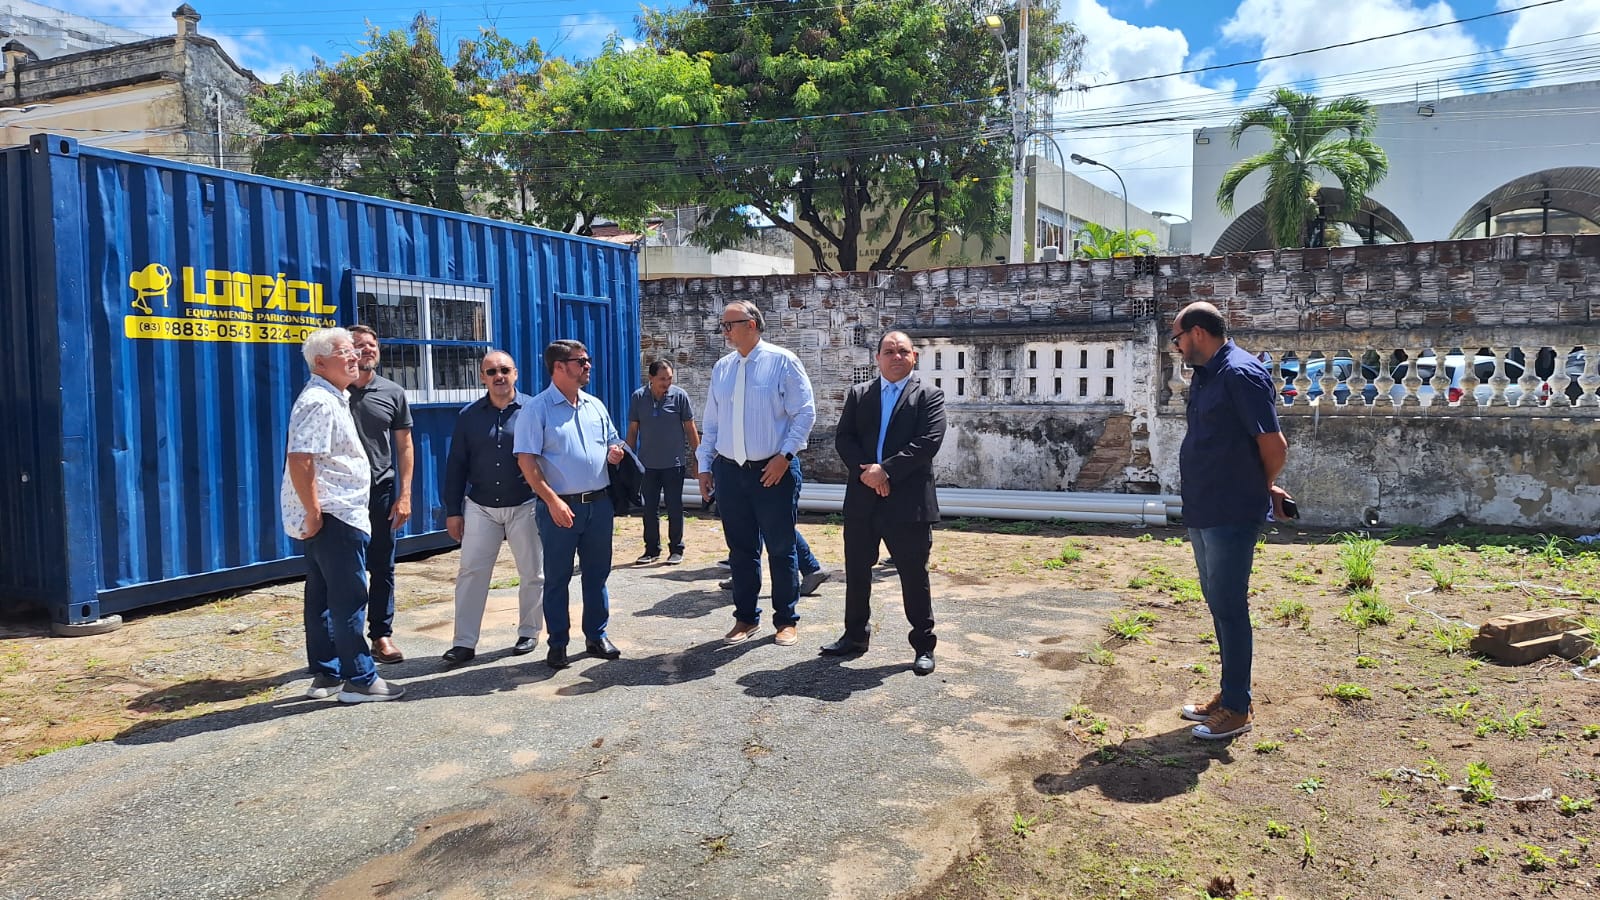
point(891, 393)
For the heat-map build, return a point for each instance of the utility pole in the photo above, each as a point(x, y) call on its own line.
point(1019, 139)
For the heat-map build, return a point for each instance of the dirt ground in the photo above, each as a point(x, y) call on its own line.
point(1386, 761)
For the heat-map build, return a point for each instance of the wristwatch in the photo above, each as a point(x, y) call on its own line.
point(789, 456)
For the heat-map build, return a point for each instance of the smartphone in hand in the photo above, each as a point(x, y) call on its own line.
point(1291, 510)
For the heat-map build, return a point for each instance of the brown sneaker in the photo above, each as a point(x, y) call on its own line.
point(787, 636)
point(1224, 723)
point(741, 632)
point(1198, 712)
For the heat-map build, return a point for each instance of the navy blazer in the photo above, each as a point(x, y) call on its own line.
point(916, 431)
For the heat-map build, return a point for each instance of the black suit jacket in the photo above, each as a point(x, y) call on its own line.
point(916, 431)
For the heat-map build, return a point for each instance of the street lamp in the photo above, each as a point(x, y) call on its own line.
point(1171, 215)
point(1018, 91)
point(1086, 161)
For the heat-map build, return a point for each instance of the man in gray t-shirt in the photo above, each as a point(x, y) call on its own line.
point(383, 419)
point(661, 431)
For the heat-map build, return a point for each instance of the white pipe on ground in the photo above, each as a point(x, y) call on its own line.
point(1111, 509)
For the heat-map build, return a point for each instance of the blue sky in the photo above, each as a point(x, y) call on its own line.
point(1126, 39)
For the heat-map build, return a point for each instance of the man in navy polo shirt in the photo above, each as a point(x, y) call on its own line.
point(1231, 456)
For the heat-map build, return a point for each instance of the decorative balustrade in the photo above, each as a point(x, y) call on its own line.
point(1402, 380)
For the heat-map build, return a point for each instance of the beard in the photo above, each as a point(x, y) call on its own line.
point(367, 367)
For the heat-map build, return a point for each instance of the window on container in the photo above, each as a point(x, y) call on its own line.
point(1083, 359)
point(1083, 387)
point(433, 334)
point(1111, 358)
point(1111, 387)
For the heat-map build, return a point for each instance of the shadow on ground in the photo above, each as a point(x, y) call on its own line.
point(1140, 770)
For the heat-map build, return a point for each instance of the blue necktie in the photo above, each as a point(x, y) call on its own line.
point(891, 393)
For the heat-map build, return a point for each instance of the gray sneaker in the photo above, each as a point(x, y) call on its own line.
point(376, 692)
point(675, 559)
point(323, 687)
point(813, 580)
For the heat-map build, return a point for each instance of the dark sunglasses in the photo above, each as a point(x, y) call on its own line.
point(503, 370)
point(580, 360)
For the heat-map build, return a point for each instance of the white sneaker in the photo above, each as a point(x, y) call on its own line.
point(323, 687)
point(376, 692)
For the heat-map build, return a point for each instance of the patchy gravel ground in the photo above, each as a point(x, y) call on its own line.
point(1050, 762)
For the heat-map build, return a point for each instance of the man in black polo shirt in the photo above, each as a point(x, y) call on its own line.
point(487, 503)
point(1231, 456)
point(383, 420)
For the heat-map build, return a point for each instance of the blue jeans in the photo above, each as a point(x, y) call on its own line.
point(753, 515)
point(380, 564)
point(657, 482)
point(590, 539)
point(803, 556)
point(1223, 555)
point(336, 603)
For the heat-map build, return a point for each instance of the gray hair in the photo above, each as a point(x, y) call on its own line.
point(320, 343)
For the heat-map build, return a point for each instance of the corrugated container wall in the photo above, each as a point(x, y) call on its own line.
point(151, 316)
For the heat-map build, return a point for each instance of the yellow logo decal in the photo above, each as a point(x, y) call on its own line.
point(150, 281)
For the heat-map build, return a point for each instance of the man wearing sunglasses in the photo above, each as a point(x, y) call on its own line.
point(564, 441)
point(487, 502)
point(1231, 455)
point(758, 415)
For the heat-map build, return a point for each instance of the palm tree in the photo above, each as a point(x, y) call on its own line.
point(1099, 242)
point(1305, 140)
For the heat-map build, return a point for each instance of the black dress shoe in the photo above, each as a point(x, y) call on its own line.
point(556, 658)
point(603, 648)
point(844, 647)
point(455, 656)
point(524, 645)
point(924, 664)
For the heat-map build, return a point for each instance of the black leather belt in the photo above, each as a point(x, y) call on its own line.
point(754, 465)
point(585, 497)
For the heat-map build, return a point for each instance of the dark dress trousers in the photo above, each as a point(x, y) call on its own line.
point(902, 521)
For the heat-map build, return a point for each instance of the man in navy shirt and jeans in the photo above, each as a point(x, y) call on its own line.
point(1231, 456)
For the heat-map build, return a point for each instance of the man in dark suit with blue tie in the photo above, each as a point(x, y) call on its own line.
point(888, 434)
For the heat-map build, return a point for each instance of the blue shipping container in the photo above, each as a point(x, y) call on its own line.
point(151, 315)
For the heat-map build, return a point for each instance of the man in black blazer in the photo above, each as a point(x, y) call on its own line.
point(888, 434)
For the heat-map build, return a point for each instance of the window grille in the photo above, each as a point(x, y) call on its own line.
point(433, 334)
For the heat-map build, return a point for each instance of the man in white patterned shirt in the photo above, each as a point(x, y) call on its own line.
point(758, 415)
point(324, 503)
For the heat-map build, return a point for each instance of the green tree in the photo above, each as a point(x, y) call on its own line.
point(1099, 242)
point(810, 163)
point(591, 139)
point(1308, 137)
point(385, 122)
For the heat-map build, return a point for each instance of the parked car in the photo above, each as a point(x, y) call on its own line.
point(1544, 367)
point(1316, 367)
point(1455, 366)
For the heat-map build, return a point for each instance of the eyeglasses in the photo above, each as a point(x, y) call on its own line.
point(729, 326)
point(1180, 334)
point(347, 353)
point(503, 370)
point(580, 360)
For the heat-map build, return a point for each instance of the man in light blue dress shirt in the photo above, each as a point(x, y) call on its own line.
point(758, 415)
point(564, 440)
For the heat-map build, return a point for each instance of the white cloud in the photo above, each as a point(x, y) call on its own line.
point(1275, 27)
point(1561, 31)
point(1153, 159)
point(254, 49)
point(582, 37)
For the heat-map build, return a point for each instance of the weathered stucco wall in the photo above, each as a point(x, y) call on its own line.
point(1059, 375)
